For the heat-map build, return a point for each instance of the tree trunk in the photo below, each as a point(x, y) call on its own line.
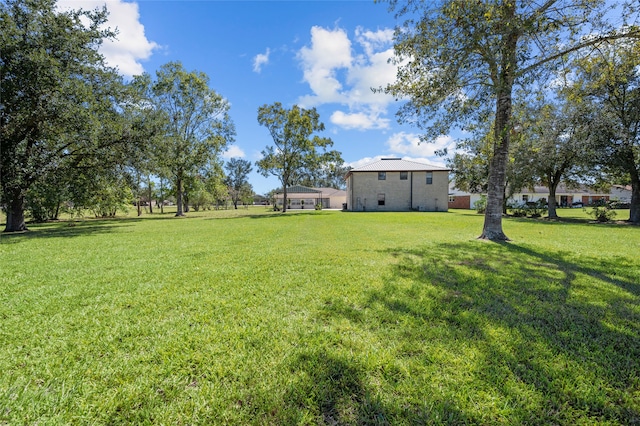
point(284, 200)
point(634, 210)
point(553, 186)
point(56, 212)
point(161, 196)
point(180, 211)
point(552, 213)
point(150, 194)
point(631, 165)
point(492, 229)
point(15, 213)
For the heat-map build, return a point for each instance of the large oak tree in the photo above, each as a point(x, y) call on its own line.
point(59, 106)
point(459, 58)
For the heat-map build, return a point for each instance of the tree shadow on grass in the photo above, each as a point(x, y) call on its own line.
point(336, 389)
point(331, 389)
point(550, 338)
point(66, 230)
point(272, 215)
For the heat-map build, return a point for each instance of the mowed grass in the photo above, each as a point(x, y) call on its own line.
point(255, 317)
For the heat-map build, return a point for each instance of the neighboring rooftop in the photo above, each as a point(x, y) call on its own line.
point(299, 189)
point(397, 165)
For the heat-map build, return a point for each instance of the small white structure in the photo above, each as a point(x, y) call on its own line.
point(394, 184)
point(302, 197)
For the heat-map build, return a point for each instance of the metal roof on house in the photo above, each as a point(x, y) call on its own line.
point(397, 165)
point(332, 192)
point(299, 189)
point(322, 192)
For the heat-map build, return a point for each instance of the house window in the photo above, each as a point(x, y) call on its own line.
point(429, 178)
point(381, 199)
point(404, 175)
point(525, 198)
point(452, 199)
point(382, 175)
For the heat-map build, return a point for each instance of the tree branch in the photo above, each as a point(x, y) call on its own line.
point(633, 34)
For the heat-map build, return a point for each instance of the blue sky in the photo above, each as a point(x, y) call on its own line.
point(323, 54)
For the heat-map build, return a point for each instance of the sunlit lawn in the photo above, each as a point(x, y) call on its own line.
point(254, 317)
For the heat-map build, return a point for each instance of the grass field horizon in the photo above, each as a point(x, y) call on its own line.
point(327, 317)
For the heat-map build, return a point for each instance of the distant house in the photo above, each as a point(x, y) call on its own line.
point(393, 184)
point(565, 197)
point(302, 197)
point(621, 193)
point(460, 199)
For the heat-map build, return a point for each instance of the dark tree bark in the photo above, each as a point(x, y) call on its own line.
point(553, 214)
point(15, 213)
point(179, 191)
point(150, 194)
point(634, 210)
point(492, 228)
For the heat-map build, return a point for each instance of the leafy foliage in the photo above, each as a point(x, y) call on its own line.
point(558, 144)
point(59, 101)
point(237, 178)
point(197, 123)
point(609, 79)
point(461, 61)
point(602, 212)
point(294, 154)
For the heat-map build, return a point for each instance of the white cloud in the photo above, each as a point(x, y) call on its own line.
point(344, 72)
point(374, 40)
point(233, 151)
point(261, 59)
point(410, 144)
point(359, 120)
point(130, 46)
point(329, 52)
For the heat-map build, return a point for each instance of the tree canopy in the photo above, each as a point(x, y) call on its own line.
point(609, 80)
point(295, 145)
point(197, 127)
point(460, 61)
point(237, 172)
point(60, 102)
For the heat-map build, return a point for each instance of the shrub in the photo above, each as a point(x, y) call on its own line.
point(481, 204)
point(518, 210)
point(531, 209)
point(602, 213)
point(537, 209)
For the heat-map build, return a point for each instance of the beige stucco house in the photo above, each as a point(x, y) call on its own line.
point(302, 197)
point(394, 184)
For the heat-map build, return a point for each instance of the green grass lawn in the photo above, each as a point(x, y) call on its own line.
point(254, 317)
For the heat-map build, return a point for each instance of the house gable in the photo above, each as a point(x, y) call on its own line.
point(393, 184)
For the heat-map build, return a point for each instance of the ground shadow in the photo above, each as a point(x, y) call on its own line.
point(66, 230)
point(553, 336)
point(272, 215)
